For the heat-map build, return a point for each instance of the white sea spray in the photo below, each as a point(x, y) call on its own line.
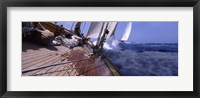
point(145, 63)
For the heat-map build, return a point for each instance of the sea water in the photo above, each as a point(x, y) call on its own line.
point(145, 59)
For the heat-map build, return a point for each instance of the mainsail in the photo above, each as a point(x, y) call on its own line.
point(127, 32)
point(105, 25)
point(111, 28)
point(95, 29)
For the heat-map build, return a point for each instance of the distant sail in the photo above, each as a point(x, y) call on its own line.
point(95, 29)
point(127, 32)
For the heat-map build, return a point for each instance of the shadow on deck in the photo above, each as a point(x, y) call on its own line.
point(32, 46)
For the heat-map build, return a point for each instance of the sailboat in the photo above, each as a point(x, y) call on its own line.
point(127, 32)
point(61, 61)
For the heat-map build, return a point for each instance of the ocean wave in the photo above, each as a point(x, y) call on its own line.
point(150, 47)
point(144, 63)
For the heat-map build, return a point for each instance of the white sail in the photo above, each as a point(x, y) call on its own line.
point(127, 32)
point(111, 28)
point(95, 29)
point(104, 26)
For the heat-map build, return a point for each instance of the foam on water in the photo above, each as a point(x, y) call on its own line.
point(145, 59)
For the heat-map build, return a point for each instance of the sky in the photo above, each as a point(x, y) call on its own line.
point(142, 32)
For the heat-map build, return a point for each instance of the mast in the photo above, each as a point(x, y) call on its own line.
point(127, 32)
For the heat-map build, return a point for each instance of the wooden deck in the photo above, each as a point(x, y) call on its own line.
point(60, 61)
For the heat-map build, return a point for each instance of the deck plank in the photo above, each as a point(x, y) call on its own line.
point(35, 56)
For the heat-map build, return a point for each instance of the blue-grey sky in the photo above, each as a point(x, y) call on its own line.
point(143, 32)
